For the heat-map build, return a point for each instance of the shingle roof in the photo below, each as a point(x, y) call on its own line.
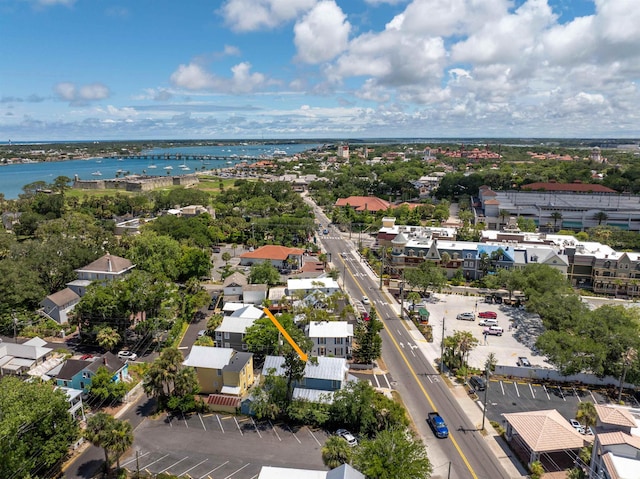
point(615, 415)
point(273, 252)
point(236, 278)
point(72, 367)
point(108, 264)
point(238, 361)
point(362, 203)
point(109, 360)
point(64, 296)
point(545, 431)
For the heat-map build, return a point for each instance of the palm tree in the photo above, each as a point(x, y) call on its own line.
point(108, 338)
point(121, 440)
point(600, 216)
point(414, 297)
point(587, 414)
point(503, 214)
point(113, 435)
point(556, 216)
point(336, 452)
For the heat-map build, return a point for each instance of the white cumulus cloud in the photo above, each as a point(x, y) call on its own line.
point(81, 95)
point(250, 15)
point(194, 77)
point(322, 34)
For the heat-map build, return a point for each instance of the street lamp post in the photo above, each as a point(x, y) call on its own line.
point(442, 349)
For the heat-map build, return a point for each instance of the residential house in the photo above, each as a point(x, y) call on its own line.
point(254, 293)
point(76, 406)
point(320, 379)
point(19, 359)
point(277, 297)
point(616, 448)
point(305, 286)
point(232, 286)
point(331, 338)
point(106, 268)
point(280, 257)
point(230, 333)
point(78, 373)
point(57, 306)
point(221, 370)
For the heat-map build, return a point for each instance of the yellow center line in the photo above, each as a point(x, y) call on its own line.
point(415, 376)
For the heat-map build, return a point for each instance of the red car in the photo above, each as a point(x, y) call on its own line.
point(488, 315)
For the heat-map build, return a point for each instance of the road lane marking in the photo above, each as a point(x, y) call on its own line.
point(274, 430)
point(192, 468)
point(256, 427)
point(235, 472)
point(214, 470)
point(157, 460)
point(174, 464)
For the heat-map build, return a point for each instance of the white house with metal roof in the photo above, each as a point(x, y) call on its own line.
point(308, 285)
point(331, 338)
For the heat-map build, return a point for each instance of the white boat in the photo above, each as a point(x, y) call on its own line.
point(151, 166)
point(96, 173)
point(279, 153)
point(168, 167)
point(184, 168)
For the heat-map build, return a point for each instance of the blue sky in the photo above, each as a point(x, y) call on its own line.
point(122, 69)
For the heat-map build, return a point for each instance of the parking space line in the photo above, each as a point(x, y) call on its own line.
point(502, 387)
point(174, 464)
point(294, 434)
point(191, 468)
point(532, 392)
point(576, 393)
point(135, 458)
point(256, 428)
point(375, 376)
point(246, 465)
point(185, 421)
point(515, 385)
point(157, 460)
point(313, 436)
point(237, 424)
point(387, 381)
point(593, 397)
point(274, 430)
point(546, 391)
point(560, 389)
point(201, 422)
point(170, 420)
point(214, 470)
point(220, 422)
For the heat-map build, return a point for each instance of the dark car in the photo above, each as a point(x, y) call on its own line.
point(487, 314)
point(523, 362)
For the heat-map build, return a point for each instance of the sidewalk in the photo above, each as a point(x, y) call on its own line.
point(472, 409)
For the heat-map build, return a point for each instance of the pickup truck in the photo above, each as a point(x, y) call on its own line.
point(438, 425)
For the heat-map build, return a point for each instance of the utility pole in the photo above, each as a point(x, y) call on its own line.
point(487, 366)
point(402, 295)
point(382, 266)
point(442, 349)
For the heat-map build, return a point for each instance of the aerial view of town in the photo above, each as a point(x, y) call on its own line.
point(320, 239)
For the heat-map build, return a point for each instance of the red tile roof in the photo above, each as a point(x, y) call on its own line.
point(273, 252)
point(363, 203)
point(571, 187)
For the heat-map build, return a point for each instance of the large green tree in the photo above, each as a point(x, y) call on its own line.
point(427, 276)
point(36, 428)
point(336, 452)
point(368, 342)
point(172, 383)
point(264, 273)
point(263, 338)
point(103, 388)
point(393, 454)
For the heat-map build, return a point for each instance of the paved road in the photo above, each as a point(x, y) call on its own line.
point(420, 386)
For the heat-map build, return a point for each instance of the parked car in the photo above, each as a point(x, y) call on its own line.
point(477, 383)
point(577, 426)
point(86, 356)
point(466, 317)
point(365, 300)
point(494, 331)
point(347, 436)
point(127, 355)
point(202, 332)
point(488, 314)
point(523, 362)
point(488, 322)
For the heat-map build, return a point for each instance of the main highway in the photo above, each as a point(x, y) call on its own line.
point(465, 454)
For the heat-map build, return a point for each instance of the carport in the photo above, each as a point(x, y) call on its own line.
point(544, 436)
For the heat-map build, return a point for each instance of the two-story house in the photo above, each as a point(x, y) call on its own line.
point(230, 333)
point(221, 370)
point(106, 268)
point(232, 287)
point(331, 338)
point(20, 359)
point(78, 373)
point(58, 305)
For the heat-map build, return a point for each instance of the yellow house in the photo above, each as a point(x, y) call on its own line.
point(221, 370)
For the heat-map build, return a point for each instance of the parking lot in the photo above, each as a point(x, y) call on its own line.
point(221, 446)
point(506, 396)
point(446, 307)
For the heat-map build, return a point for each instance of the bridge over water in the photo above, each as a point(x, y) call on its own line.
point(181, 157)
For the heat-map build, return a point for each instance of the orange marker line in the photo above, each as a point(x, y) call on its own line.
point(289, 339)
